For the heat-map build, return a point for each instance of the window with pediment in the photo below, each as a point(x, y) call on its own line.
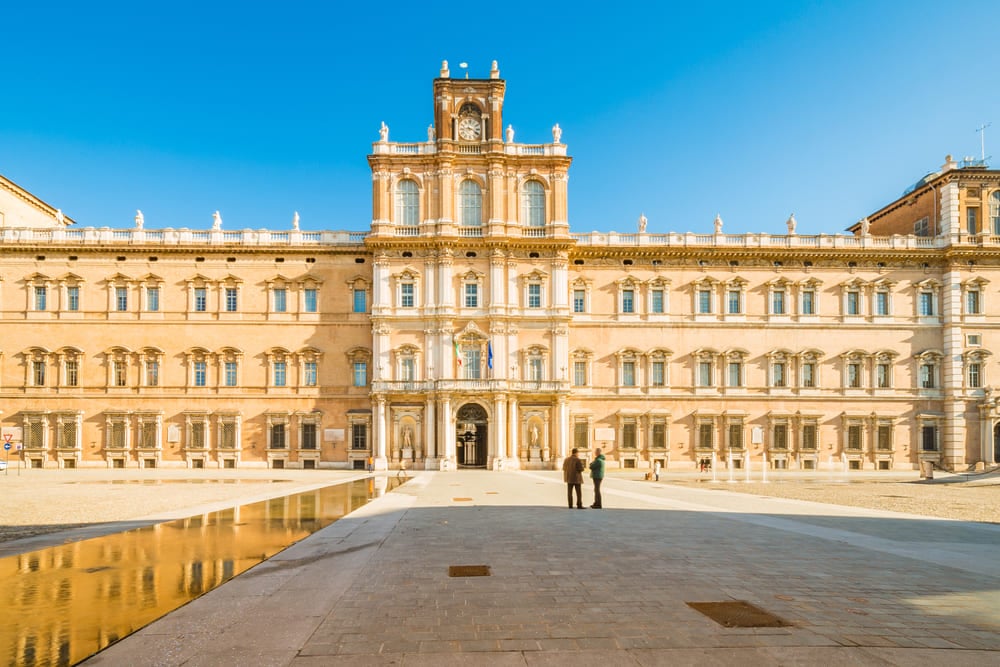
point(196, 432)
point(703, 293)
point(148, 429)
point(71, 293)
point(534, 285)
point(883, 364)
point(973, 292)
point(279, 361)
point(407, 363)
point(150, 362)
point(705, 432)
point(278, 295)
point(736, 367)
point(359, 289)
point(809, 368)
point(277, 430)
point(854, 369)
point(406, 289)
point(778, 296)
point(809, 297)
point(975, 368)
point(70, 366)
point(39, 289)
point(629, 361)
point(36, 361)
point(309, 290)
point(472, 290)
point(581, 367)
point(926, 296)
point(308, 359)
point(534, 363)
point(358, 360)
point(230, 360)
point(852, 294)
point(657, 362)
point(735, 291)
point(928, 369)
point(779, 368)
point(69, 429)
point(118, 360)
point(628, 293)
point(704, 367)
point(657, 296)
point(197, 361)
point(580, 293)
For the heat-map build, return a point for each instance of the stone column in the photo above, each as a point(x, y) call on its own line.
point(430, 441)
point(512, 430)
point(499, 429)
point(380, 435)
point(448, 436)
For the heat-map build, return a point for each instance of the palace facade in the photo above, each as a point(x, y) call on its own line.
point(470, 327)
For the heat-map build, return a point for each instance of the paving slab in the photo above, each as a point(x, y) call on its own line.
point(611, 586)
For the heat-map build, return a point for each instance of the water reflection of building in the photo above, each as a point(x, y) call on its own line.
point(468, 326)
point(66, 602)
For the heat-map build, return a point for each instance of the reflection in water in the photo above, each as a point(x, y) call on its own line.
point(65, 603)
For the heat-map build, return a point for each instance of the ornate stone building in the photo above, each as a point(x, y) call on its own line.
point(470, 327)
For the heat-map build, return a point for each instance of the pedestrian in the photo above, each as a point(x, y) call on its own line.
point(656, 470)
point(573, 476)
point(371, 464)
point(597, 474)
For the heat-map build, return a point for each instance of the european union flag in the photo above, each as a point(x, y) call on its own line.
point(489, 355)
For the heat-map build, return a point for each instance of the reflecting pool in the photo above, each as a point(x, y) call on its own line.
point(65, 603)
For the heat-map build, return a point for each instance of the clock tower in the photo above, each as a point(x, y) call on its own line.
point(470, 311)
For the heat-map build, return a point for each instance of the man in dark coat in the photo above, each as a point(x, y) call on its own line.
point(597, 474)
point(573, 476)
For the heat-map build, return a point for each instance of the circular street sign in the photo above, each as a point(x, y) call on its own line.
point(6, 445)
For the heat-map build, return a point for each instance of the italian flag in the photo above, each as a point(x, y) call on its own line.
point(458, 354)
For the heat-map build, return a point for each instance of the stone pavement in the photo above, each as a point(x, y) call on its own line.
point(588, 587)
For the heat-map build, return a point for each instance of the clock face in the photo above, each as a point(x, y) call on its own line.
point(469, 129)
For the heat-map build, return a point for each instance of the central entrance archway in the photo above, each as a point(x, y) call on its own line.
point(471, 438)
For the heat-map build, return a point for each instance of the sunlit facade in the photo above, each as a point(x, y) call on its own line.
point(470, 327)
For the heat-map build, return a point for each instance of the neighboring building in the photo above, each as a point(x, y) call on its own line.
point(470, 327)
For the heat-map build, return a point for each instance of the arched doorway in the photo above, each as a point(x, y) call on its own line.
point(472, 424)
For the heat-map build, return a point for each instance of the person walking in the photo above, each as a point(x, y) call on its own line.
point(597, 474)
point(573, 476)
point(656, 471)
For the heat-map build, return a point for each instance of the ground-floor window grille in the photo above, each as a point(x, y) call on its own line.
point(706, 434)
point(359, 436)
point(67, 435)
point(809, 436)
point(580, 436)
point(628, 435)
point(308, 436)
point(227, 438)
point(659, 436)
point(883, 437)
point(780, 436)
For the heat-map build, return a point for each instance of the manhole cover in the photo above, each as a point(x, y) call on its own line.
point(738, 614)
point(468, 570)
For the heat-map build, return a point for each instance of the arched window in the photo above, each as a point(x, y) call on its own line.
point(407, 203)
point(533, 204)
point(470, 204)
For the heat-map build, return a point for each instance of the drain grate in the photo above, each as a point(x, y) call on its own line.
point(468, 570)
point(738, 614)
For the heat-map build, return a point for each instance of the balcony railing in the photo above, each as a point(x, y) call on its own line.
point(463, 384)
point(177, 237)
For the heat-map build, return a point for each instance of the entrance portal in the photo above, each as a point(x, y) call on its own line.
point(471, 439)
point(996, 444)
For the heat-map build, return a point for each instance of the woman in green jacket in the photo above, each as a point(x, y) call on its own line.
point(597, 474)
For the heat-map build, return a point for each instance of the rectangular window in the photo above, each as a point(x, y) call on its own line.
point(884, 437)
point(778, 302)
point(309, 374)
point(808, 374)
point(657, 370)
point(736, 436)
point(706, 438)
point(780, 436)
point(579, 301)
point(360, 300)
point(200, 373)
point(73, 298)
point(72, 373)
point(928, 438)
point(280, 300)
point(656, 301)
point(359, 436)
point(41, 298)
point(922, 227)
point(926, 376)
point(809, 302)
point(854, 375)
point(972, 303)
point(200, 299)
point(734, 302)
point(308, 436)
point(120, 372)
point(121, 299)
point(230, 372)
point(628, 373)
point(232, 300)
point(535, 369)
point(580, 373)
point(280, 374)
point(778, 374)
point(153, 299)
point(471, 295)
point(704, 373)
point(853, 303)
point(309, 300)
point(628, 435)
point(534, 296)
point(926, 304)
point(471, 365)
point(881, 303)
point(854, 436)
point(659, 436)
point(735, 374)
point(581, 436)
point(147, 435)
point(360, 373)
point(406, 295)
point(152, 373)
point(277, 436)
point(975, 375)
point(408, 369)
point(628, 301)
point(809, 436)
point(38, 373)
point(882, 376)
point(704, 301)
point(972, 220)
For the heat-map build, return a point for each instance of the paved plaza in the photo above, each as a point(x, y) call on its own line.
point(583, 587)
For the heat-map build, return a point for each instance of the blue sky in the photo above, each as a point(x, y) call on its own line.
point(749, 110)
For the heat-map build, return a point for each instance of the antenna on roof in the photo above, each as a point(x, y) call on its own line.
point(982, 139)
point(465, 66)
